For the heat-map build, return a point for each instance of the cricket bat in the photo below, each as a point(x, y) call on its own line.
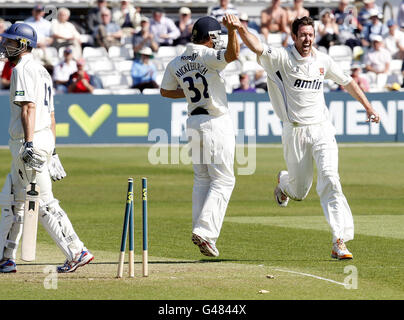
point(30, 226)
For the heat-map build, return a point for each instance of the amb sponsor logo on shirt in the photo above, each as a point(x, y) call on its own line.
point(19, 93)
point(307, 84)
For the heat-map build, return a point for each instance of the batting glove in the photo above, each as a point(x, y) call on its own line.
point(56, 170)
point(31, 157)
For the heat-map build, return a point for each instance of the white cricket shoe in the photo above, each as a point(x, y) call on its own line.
point(207, 248)
point(8, 266)
point(280, 198)
point(80, 260)
point(340, 251)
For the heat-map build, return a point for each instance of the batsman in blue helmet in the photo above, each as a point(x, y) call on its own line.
point(32, 133)
point(195, 75)
point(18, 38)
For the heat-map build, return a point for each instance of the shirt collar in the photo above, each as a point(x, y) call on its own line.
point(26, 57)
point(304, 59)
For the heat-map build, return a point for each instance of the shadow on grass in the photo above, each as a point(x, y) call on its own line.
point(187, 261)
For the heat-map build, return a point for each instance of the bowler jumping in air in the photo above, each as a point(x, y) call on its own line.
point(295, 77)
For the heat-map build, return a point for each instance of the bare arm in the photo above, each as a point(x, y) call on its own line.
point(250, 40)
point(356, 92)
point(28, 119)
point(53, 124)
point(233, 47)
point(173, 94)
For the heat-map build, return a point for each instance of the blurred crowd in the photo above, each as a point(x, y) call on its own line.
point(373, 42)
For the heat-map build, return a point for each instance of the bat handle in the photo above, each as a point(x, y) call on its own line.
point(32, 184)
point(33, 176)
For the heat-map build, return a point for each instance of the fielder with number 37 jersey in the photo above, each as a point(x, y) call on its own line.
point(194, 75)
point(196, 71)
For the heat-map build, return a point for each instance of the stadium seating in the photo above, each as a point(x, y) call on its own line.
point(396, 76)
point(342, 55)
point(113, 66)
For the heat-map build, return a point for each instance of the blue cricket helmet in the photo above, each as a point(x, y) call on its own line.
point(21, 32)
point(205, 28)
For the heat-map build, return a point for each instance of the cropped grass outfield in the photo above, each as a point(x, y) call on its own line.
point(258, 238)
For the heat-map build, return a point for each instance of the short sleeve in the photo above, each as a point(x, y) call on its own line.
point(24, 86)
point(336, 74)
point(169, 81)
point(215, 59)
point(270, 58)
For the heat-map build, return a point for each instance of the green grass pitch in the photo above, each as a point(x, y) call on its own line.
point(258, 238)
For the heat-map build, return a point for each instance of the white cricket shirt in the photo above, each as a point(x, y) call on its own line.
point(295, 83)
point(30, 82)
point(196, 71)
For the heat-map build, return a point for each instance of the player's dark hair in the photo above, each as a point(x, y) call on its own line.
point(201, 40)
point(304, 21)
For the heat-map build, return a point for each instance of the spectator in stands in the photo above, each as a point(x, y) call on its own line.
point(400, 16)
point(394, 41)
point(327, 30)
point(364, 13)
point(260, 79)
point(127, 18)
point(108, 33)
point(2, 26)
point(356, 74)
point(244, 84)
point(341, 12)
point(297, 11)
point(144, 38)
point(274, 19)
point(163, 28)
point(79, 82)
point(41, 26)
point(63, 71)
point(144, 71)
point(347, 21)
point(184, 24)
point(377, 62)
point(65, 34)
point(245, 52)
point(375, 26)
point(6, 75)
point(94, 16)
point(219, 11)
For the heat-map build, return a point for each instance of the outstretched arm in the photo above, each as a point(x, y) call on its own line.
point(250, 40)
point(233, 47)
point(355, 91)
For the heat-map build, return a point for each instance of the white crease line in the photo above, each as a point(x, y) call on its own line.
point(312, 276)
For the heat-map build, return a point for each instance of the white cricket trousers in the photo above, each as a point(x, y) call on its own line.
point(302, 144)
point(51, 215)
point(212, 142)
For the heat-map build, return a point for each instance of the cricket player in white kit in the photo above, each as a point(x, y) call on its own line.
point(32, 145)
point(195, 76)
point(295, 86)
